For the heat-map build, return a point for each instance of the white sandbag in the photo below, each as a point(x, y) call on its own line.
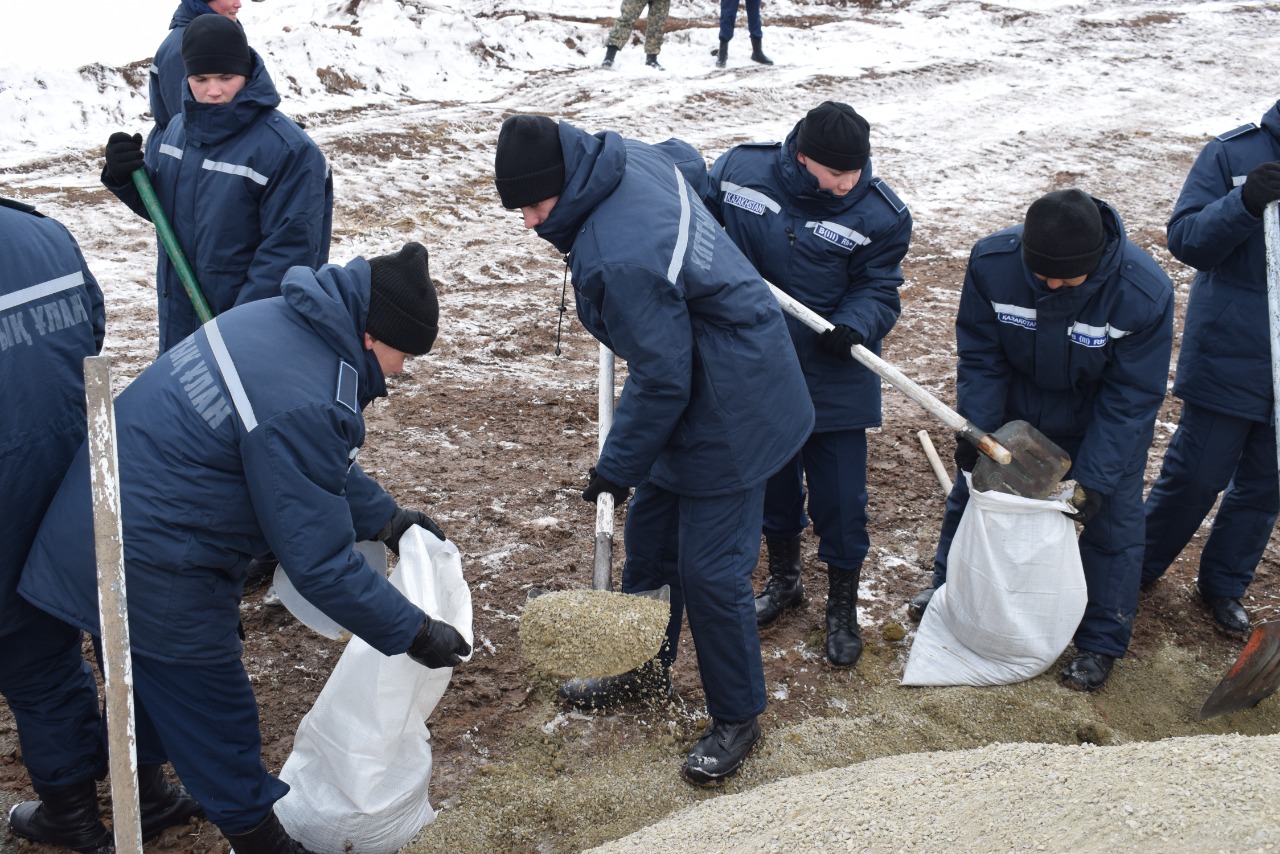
point(1014, 595)
point(361, 760)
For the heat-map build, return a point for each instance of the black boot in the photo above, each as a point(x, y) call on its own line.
point(269, 837)
point(649, 681)
point(651, 60)
point(722, 55)
point(757, 53)
point(1087, 672)
point(66, 817)
point(161, 803)
point(721, 751)
point(920, 603)
point(844, 641)
point(783, 590)
point(610, 52)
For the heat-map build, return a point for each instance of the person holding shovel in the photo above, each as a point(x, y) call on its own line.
point(714, 402)
point(1225, 441)
point(248, 193)
point(812, 218)
point(242, 438)
point(1066, 324)
point(51, 318)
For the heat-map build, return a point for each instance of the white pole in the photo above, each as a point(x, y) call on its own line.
point(602, 569)
point(104, 481)
point(1271, 233)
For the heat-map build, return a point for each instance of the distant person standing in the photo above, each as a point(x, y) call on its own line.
point(168, 80)
point(248, 193)
point(1225, 440)
point(728, 14)
point(621, 31)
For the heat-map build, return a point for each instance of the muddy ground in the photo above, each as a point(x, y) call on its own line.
point(493, 434)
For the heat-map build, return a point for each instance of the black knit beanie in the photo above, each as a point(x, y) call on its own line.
point(212, 44)
point(836, 136)
point(529, 165)
point(403, 310)
point(1063, 237)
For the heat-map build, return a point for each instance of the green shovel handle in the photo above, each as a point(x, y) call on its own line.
point(170, 242)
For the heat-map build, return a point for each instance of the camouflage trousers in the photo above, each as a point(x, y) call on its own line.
point(631, 10)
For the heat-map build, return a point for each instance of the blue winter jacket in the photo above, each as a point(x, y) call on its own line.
point(714, 401)
point(248, 194)
point(51, 318)
point(1088, 363)
point(1224, 363)
point(239, 440)
point(839, 255)
point(167, 84)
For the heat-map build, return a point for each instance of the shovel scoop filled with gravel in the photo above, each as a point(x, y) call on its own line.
point(593, 633)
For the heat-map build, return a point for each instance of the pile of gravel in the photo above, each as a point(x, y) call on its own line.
point(592, 633)
point(1195, 794)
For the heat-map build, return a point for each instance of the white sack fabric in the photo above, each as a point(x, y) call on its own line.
point(1014, 595)
point(361, 760)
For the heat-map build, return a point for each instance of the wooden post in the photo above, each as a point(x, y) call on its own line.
point(104, 481)
point(602, 566)
point(1271, 239)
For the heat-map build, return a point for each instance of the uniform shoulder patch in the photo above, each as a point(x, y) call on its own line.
point(761, 145)
point(19, 206)
point(1240, 131)
point(348, 387)
point(889, 195)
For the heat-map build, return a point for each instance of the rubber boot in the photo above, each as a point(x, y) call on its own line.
point(610, 52)
point(723, 55)
point(161, 803)
point(844, 640)
point(649, 681)
point(783, 590)
point(66, 817)
point(269, 837)
point(757, 53)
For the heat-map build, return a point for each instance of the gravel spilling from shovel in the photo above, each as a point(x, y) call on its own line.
point(591, 633)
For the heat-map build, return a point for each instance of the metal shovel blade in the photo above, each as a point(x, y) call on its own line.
point(1036, 467)
point(1254, 676)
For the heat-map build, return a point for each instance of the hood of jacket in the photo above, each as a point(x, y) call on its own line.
point(803, 187)
point(188, 11)
point(210, 124)
point(593, 166)
point(334, 302)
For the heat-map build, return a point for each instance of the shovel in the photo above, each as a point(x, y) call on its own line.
point(1254, 676)
point(1271, 237)
point(171, 245)
point(1027, 462)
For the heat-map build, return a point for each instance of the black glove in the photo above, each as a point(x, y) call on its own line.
point(600, 484)
point(401, 521)
point(839, 341)
point(1261, 186)
point(438, 644)
point(966, 453)
point(124, 156)
point(1087, 503)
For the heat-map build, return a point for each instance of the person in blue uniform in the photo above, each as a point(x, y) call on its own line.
point(248, 193)
point(714, 402)
point(1225, 442)
point(240, 439)
point(1066, 324)
point(51, 318)
point(814, 220)
point(167, 83)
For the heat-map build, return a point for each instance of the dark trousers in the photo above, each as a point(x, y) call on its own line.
point(835, 467)
point(51, 692)
point(1111, 547)
point(1211, 452)
point(728, 14)
point(204, 719)
point(706, 549)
